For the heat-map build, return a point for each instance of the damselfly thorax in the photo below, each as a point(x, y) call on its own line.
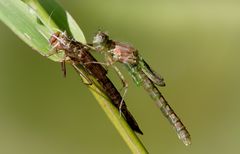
point(124, 53)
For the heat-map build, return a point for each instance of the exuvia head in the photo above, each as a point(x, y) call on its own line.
point(58, 40)
point(54, 38)
point(100, 40)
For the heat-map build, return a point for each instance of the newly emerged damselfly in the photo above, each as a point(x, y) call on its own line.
point(142, 75)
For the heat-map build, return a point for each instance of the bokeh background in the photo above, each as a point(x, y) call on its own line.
point(194, 44)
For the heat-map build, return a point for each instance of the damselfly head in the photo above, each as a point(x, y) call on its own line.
point(100, 40)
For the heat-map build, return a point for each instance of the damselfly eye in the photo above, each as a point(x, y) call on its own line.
point(97, 39)
point(104, 36)
point(100, 41)
point(100, 38)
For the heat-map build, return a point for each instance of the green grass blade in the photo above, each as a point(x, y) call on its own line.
point(34, 21)
point(22, 21)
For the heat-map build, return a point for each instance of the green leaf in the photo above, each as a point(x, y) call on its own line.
point(23, 22)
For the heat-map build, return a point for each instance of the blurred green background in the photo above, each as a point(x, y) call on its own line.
point(193, 44)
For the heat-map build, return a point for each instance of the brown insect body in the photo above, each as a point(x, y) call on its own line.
point(77, 53)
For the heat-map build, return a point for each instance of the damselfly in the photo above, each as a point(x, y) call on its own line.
point(78, 54)
point(142, 75)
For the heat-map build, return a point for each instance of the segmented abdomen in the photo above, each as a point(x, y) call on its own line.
point(161, 102)
point(100, 74)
